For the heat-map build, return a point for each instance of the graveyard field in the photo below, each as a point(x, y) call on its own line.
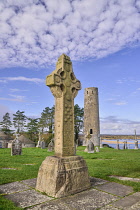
point(101, 165)
point(107, 162)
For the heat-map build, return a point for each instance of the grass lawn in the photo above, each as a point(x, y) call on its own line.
point(101, 165)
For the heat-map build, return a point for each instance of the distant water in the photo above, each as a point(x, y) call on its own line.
point(130, 143)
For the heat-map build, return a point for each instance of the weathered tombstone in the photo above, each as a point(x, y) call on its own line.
point(117, 145)
point(42, 144)
point(51, 146)
point(136, 144)
point(16, 148)
point(88, 137)
point(90, 147)
point(63, 174)
point(126, 145)
point(97, 149)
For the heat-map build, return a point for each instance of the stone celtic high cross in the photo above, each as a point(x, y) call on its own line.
point(64, 86)
point(64, 173)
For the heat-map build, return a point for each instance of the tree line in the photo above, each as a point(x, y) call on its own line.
point(31, 127)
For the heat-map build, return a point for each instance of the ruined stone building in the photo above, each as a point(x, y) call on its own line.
point(91, 115)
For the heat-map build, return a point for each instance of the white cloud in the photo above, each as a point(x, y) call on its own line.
point(24, 79)
point(2, 81)
point(16, 98)
point(116, 101)
point(120, 103)
point(35, 33)
point(16, 90)
point(114, 125)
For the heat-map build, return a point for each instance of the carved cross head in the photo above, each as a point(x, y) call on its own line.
point(62, 81)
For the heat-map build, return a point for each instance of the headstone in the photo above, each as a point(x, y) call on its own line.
point(136, 144)
point(117, 145)
point(42, 144)
point(16, 148)
point(88, 137)
point(126, 145)
point(51, 146)
point(97, 149)
point(90, 147)
point(64, 173)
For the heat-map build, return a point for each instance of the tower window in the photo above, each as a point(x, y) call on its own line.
point(91, 131)
point(87, 92)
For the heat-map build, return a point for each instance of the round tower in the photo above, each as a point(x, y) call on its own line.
point(91, 115)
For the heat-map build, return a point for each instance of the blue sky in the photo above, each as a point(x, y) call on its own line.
point(102, 39)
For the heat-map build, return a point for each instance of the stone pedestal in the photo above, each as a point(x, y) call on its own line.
point(63, 176)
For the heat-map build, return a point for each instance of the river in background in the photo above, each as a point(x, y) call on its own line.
point(113, 143)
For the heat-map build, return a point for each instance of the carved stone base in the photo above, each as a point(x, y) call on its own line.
point(63, 176)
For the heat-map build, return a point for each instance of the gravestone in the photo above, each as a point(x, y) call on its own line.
point(51, 146)
point(16, 147)
point(88, 137)
point(117, 145)
point(97, 149)
point(126, 145)
point(64, 173)
point(90, 147)
point(42, 145)
point(136, 144)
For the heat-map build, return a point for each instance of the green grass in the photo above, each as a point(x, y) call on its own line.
point(6, 204)
point(33, 156)
point(101, 165)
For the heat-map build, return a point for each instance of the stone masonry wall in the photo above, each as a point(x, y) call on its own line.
point(91, 115)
